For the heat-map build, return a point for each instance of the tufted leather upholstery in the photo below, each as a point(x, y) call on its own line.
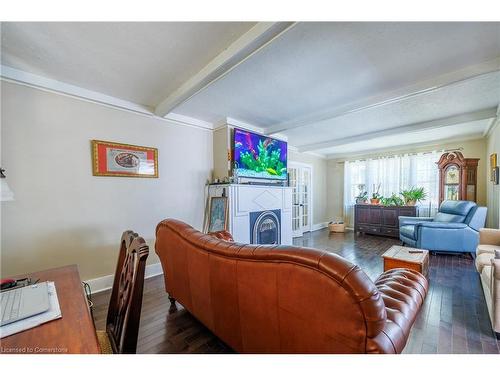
point(285, 299)
point(222, 235)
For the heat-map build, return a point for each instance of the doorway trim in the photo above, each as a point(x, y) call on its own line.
point(298, 164)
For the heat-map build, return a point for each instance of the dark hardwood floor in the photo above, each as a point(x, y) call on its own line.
point(454, 318)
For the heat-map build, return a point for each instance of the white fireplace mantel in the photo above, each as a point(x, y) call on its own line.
point(244, 199)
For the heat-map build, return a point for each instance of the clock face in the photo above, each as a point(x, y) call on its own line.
point(451, 175)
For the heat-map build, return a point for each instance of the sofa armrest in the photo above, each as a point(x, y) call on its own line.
point(495, 295)
point(441, 225)
point(489, 236)
point(412, 220)
point(403, 292)
point(495, 263)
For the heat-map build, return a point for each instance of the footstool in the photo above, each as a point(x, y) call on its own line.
point(407, 257)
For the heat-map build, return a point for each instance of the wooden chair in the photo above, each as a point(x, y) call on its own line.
point(124, 312)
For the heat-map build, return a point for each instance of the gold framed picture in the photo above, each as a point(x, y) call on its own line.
point(495, 175)
point(493, 165)
point(123, 160)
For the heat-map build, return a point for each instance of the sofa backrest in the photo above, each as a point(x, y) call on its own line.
point(270, 299)
point(476, 218)
point(454, 211)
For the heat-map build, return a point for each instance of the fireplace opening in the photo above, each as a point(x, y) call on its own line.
point(265, 227)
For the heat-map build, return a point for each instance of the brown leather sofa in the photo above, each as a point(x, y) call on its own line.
point(285, 299)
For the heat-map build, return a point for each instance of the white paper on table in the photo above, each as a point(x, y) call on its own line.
point(54, 312)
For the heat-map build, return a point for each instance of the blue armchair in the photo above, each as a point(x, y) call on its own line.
point(455, 228)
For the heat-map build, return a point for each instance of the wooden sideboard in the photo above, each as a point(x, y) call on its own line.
point(380, 220)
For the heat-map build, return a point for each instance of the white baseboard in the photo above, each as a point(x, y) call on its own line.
point(319, 226)
point(103, 283)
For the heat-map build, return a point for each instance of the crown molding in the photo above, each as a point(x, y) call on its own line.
point(404, 148)
point(49, 84)
point(493, 124)
point(23, 78)
point(411, 128)
point(421, 88)
point(187, 120)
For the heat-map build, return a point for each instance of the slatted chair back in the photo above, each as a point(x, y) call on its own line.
point(124, 312)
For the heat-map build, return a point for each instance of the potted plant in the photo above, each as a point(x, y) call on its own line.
point(362, 196)
point(413, 195)
point(375, 199)
point(393, 200)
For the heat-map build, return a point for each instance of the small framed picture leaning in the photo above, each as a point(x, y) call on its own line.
point(493, 169)
point(123, 160)
point(217, 214)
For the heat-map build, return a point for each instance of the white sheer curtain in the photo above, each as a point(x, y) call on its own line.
point(394, 174)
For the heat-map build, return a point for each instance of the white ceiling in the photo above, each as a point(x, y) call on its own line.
point(315, 83)
point(463, 97)
point(317, 66)
point(473, 129)
point(141, 62)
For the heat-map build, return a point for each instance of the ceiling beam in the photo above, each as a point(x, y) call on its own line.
point(248, 44)
point(420, 88)
point(434, 124)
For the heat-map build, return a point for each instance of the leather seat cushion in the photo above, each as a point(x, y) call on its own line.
point(482, 260)
point(489, 249)
point(408, 231)
point(403, 292)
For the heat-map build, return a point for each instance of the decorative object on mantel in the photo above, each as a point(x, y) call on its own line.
point(375, 199)
point(123, 160)
point(413, 195)
point(457, 177)
point(5, 193)
point(217, 217)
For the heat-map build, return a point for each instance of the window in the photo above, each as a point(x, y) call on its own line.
point(393, 174)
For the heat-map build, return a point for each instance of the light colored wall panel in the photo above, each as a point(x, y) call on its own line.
point(64, 215)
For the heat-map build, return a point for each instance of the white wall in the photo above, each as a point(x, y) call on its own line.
point(61, 213)
point(493, 191)
point(319, 165)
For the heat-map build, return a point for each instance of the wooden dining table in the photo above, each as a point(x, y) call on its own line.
point(73, 333)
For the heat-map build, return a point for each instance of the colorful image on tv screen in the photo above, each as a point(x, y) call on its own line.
point(257, 156)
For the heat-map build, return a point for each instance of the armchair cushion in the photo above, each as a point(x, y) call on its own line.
point(407, 231)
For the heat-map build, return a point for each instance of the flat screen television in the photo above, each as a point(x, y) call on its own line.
point(258, 156)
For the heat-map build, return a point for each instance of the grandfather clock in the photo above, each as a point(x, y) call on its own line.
point(457, 177)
